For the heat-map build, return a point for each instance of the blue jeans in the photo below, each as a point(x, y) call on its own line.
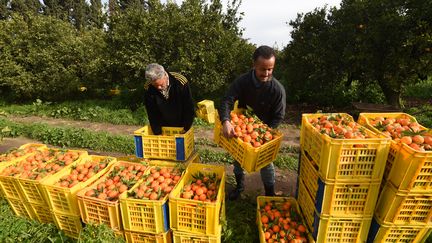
point(267, 173)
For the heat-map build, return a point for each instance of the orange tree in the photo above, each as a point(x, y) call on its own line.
point(372, 43)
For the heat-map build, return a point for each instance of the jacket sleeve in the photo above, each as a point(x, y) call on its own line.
point(188, 107)
point(153, 114)
point(227, 103)
point(278, 109)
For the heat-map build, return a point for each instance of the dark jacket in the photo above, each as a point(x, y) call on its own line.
point(176, 111)
point(267, 100)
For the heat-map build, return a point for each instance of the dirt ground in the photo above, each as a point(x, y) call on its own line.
point(286, 181)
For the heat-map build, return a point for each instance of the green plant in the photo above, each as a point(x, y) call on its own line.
point(71, 137)
point(214, 157)
point(92, 233)
point(241, 217)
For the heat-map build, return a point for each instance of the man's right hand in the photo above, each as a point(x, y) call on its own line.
point(228, 129)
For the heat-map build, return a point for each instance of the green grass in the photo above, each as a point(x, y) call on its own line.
point(107, 111)
point(69, 137)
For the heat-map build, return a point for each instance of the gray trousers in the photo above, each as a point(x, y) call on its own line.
point(267, 173)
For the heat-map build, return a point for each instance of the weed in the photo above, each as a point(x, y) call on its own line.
point(241, 217)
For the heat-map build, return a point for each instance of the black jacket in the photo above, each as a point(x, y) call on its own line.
point(176, 111)
point(267, 100)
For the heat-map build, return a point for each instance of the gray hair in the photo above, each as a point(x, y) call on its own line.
point(154, 72)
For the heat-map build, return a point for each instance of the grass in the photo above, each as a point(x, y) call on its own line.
point(106, 111)
point(69, 137)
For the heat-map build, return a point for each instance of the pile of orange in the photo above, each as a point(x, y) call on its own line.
point(405, 131)
point(338, 127)
point(119, 180)
point(202, 188)
point(82, 172)
point(25, 167)
point(16, 153)
point(281, 223)
point(157, 184)
point(251, 130)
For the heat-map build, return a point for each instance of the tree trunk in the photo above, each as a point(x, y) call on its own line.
point(391, 94)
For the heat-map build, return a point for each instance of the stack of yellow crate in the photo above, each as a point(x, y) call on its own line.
point(62, 198)
point(195, 220)
point(9, 186)
point(21, 180)
point(404, 208)
point(339, 181)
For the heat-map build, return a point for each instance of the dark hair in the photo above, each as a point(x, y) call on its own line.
point(264, 51)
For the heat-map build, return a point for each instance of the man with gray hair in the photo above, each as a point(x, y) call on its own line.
point(168, 99)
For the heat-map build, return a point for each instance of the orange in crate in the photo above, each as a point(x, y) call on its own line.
point(196, 216)
point(280, 217)
point(144, 207)
point(63, 198)
point(30, 185)
point(250, 158)
point(407, 168)
point(344, 159)
point(100, 202)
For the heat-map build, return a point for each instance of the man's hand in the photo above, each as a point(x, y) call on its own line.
point(228, 129)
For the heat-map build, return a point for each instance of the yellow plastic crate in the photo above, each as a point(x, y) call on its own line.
point(11, 188)
point(172, 144)
point(196, 217)
point(42, 213)
point(206, 111)
point(101, 211)
point(145, 215)
point(251, 159)
point(411, 174)
point(64, 200)
point(387, 233)
point(182, 237)
point(306, 204)
point(395, 207)
point(411, 170)
point(309, 173)
point(206, 106)
point(4, 163)
point(71, 225)
point(340, 229)
point(33, 191)
point(364, 119)
point(208, 117)
point(343, 159)
point(340, 198)
point(21, 208)
point(138, 237)
point(346, 199)
point(262, 200)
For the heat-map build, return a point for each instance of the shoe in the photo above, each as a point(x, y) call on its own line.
point(235, 193)
point(269, 190)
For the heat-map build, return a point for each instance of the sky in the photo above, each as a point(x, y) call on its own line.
point(265, 22)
